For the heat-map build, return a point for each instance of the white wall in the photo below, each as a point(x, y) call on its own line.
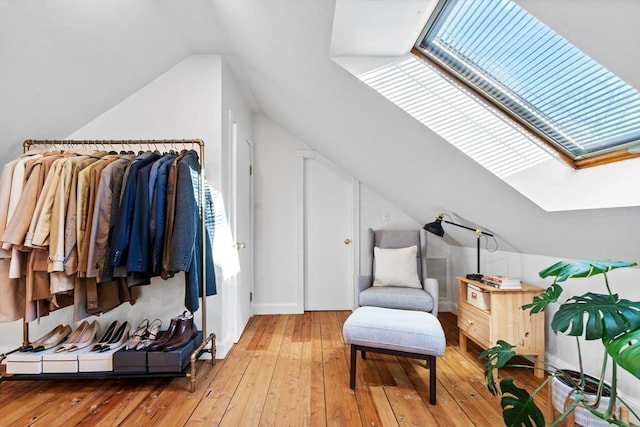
point(183, 103)
point(276, 239)
point(276, 202)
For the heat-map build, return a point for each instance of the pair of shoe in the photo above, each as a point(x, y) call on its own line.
point(181, 330)
point(49, 340)
point(144, 335)
point(83, 336)
point(114, 337)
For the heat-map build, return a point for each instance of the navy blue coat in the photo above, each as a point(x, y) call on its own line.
point(185, 252)
point(124, 219)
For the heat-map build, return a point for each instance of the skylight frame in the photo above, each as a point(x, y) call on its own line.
point(620, 152)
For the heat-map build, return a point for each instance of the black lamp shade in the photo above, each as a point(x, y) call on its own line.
point(435, 227)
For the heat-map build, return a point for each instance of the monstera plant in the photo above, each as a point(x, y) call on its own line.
point(615, 322)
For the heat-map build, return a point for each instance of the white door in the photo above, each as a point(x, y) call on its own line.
point(328, 247)
point(244, 237)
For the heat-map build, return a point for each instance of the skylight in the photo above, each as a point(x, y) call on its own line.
point(535, 76)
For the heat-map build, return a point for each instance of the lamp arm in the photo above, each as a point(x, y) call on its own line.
point(477, 231)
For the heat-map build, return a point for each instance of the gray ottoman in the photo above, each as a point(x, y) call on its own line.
point(398, 332)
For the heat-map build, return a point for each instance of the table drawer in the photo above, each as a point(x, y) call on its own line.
point(474, 324)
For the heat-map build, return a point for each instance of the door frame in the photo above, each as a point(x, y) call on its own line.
point(303, 157)
point(233, 209)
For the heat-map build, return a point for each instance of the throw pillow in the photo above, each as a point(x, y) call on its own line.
point(396, 267)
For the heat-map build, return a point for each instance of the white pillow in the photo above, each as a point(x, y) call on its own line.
point(396, 267)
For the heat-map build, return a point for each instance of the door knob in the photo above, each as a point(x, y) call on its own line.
point(347, 241)
point(240, 245)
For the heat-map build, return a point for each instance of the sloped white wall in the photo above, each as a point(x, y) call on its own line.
point(184, 102)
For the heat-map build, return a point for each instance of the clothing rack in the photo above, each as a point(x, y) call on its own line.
point(206, 339)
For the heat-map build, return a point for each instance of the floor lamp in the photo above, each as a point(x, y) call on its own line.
point(435, 227)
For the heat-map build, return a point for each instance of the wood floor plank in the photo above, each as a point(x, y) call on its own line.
point(408, 407)
point(169, 404)
point(78, 401)
point(366, 378)
point(383, 407)
point(248, 401)
point(120, 406)
point(317, 404)
point(282, 400)
point(342, 407)
point(212, 407)
point(446, 411)
point(284, 370)
point(14, 406)
point(480, 410)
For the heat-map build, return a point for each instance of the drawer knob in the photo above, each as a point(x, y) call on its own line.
point(470, 322)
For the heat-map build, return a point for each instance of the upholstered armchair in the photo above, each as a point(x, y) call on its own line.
point(395, 283)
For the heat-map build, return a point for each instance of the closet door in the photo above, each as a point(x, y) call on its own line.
point(242, 214)
point(328, 247)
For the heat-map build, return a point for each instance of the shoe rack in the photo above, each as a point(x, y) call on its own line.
point(208, 341)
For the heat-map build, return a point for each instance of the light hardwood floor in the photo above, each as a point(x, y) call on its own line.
point(287, 370)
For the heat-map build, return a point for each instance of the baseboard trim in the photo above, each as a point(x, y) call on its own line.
point(277, 309)
point(222, 348)
point(446, 306)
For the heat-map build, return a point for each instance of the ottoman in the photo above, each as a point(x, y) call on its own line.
point(398, 332)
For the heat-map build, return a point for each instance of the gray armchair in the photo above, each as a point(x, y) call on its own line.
point(406, 298)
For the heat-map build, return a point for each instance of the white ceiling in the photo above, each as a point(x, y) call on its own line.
point(64, 62)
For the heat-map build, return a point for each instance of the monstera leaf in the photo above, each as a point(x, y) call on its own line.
point(565, 269)
point(625, 351)
point(607, 316)
point(541, 301)
point(497, 357)
point(518, 407)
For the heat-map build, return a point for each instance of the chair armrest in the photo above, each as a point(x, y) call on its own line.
point(431, 287)
point(362, 283)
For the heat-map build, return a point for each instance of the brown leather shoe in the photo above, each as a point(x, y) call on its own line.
point(185, 332)
point(168, 334)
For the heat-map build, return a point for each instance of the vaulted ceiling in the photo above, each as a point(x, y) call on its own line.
point(63, 63)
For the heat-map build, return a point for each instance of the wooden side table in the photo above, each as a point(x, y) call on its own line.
point(502, 320)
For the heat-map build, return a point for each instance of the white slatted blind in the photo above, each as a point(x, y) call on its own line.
point(524, 65)
point(457, 115)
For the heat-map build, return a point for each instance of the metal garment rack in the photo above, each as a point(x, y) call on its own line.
point(206, 339)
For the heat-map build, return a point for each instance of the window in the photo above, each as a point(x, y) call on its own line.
point(536, 77)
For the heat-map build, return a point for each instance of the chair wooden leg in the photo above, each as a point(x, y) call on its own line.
point(431, 360)
point(352, 378)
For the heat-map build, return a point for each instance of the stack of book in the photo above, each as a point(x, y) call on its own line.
point(501, 282)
